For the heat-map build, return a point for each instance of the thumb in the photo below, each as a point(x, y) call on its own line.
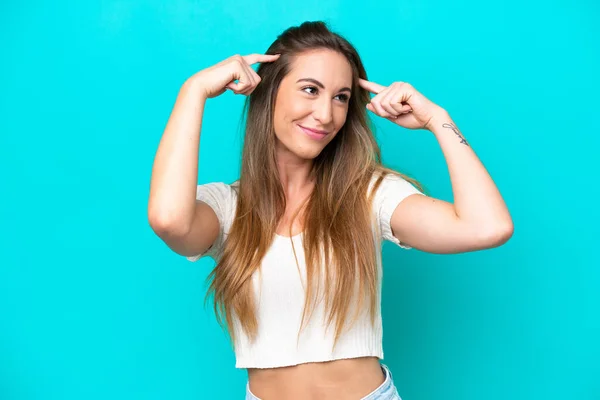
point(235, 85)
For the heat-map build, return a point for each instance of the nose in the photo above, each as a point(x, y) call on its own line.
point(323, 111)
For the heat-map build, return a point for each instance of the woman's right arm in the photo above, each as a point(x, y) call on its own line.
point(189, 227)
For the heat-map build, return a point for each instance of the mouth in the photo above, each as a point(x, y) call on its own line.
point(313, 133)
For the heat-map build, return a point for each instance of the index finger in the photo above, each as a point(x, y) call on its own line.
point(370, 86)
point(256, 58)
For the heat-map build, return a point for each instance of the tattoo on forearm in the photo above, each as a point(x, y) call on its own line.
point(457, 132)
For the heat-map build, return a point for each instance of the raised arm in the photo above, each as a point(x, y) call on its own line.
point(477, 220)
point(189, 226)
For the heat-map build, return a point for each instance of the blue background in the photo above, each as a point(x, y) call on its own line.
point(94, 306)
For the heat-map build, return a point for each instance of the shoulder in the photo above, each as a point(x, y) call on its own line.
point(388, 189)
point(221, 197)
point(384, 184)
point(217, 192)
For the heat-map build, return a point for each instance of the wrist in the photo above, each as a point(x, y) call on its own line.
point(194, 84)
point(439, 117)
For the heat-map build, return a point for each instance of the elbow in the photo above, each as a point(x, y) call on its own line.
point(503, 235)
point(164, 225)
point(498, 233)
point(158, 224)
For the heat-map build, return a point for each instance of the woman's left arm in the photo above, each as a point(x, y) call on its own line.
point(479, 218)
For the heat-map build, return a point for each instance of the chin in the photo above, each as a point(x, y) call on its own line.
point(305, 152)
point(301, 148)
point(309, 151)
point(310, 155)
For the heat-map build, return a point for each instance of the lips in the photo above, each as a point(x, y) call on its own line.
point(317, 131)
point(312, 134)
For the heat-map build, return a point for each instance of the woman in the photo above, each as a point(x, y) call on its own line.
point(297, 238)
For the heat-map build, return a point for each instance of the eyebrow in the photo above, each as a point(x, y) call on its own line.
point(319, 84)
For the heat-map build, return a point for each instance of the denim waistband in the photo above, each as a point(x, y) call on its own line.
point(385, 391)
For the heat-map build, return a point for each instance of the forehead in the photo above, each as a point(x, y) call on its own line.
point(327, 66)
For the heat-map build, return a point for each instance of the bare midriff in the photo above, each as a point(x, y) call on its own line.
point(344, 379)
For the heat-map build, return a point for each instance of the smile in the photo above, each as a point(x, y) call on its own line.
point(317, 135)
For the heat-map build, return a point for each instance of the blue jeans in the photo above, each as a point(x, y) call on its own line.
point(385, 391)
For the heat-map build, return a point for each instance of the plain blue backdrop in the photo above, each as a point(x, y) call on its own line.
point(94, 306)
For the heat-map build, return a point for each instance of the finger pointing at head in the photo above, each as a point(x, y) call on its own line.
point(256, 58)
point(370, 86)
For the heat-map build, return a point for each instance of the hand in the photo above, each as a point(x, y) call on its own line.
point(222, 76)
point(402, 104)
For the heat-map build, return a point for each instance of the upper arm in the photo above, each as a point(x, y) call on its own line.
point(211, 218)
point(432, 225)
point(202, 234)
point(412, 219)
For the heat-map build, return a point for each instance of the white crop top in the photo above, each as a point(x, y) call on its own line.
point(281, 300)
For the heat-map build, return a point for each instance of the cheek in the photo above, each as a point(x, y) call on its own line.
point(340, 118)
point(298, 109)
point(290, 111)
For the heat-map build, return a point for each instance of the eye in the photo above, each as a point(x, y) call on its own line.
point(310, 87)
point(343, 97)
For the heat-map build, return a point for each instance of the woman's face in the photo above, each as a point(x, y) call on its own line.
point(314, 95)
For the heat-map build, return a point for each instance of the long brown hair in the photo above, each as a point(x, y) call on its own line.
point(337, 216)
